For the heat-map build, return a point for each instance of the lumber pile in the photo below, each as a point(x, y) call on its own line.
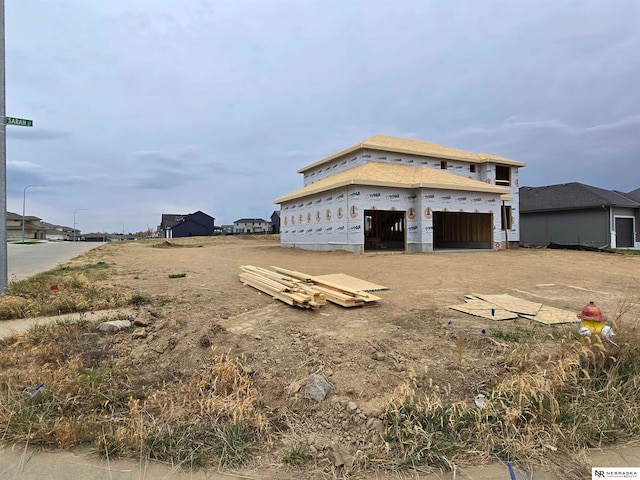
point(302, 290)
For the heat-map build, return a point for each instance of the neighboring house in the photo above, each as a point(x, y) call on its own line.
point(275, 221)
point(579, 214)
point(227, 229)
point(191, 225)
point(33, 227)
point(98, 237)
point(635, 195)
point(59, 232)
point(251, 225)
point(408, 195)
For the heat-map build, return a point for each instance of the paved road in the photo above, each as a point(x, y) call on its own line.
point(24, 260)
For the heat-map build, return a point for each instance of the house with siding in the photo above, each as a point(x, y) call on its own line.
point(251, 225)
point(579, 214)
point(189, 225)
point(403, 194)
point(34, 229)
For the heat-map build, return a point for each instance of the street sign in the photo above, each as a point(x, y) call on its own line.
point(21, 122)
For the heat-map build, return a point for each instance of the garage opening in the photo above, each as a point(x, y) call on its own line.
point(624, 232)
point(384, 230)
point(462, 230)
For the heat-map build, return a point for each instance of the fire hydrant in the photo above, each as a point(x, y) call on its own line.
point(593, 322)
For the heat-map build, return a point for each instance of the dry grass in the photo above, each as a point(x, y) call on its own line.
point(586, 395)
point(96, 402)
point(64, 289)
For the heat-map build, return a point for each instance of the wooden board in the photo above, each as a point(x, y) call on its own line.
point(513, 304)
point(483, 309)
point(361, 295)
point(350, 282)
point(552, 316)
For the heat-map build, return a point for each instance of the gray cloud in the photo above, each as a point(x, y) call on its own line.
point(156, 107)
point(35, 135)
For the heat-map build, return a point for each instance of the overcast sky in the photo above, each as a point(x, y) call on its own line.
point(144, 107)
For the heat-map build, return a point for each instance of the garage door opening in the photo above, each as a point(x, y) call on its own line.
point(462, 230)
point(384, 230)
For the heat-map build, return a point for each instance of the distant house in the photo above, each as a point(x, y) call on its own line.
point(227, 229)
point(275, 222)
point(190, 225)
point(59, 232)
point(105, 237)
point(33, 227)
point(579, 214)
point(251, 225)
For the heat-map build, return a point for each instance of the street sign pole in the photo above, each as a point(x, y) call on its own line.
point(3, 164)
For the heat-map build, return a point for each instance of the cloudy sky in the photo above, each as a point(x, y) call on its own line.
point(144, 107)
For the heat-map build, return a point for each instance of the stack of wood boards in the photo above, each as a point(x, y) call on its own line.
point(303, 290)
point(507, 307)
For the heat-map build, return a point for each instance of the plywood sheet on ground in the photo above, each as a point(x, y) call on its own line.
point(352, 283)
point(552, 316)
point(483, 309)
point(513, 304)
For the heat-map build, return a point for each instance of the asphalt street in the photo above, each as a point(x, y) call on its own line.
point(24, 260)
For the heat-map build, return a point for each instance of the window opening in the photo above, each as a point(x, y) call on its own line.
point(507, 221)
point(503, 175)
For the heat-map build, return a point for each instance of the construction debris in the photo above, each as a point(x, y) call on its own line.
point(507, 307)
point(302, 290)
point(483, 309)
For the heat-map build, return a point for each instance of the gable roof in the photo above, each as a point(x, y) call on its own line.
point(571, 196)
point(252, 220)
point(386, 143)
point(634, 195)
point(395, 175)
point(170, 220)
point(16, 216)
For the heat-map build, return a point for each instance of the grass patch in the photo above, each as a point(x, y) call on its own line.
point(177, 275)
point(586, 395)
point(208, 417)
point(65, 289)
point(296, 455)
point(517, 334)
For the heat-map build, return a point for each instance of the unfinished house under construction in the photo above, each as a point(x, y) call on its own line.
point(389, 193)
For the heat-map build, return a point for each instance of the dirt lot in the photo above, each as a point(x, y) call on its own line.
point(411, 337)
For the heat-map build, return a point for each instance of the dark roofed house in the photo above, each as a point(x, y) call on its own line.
point(275, 221)
point(635, 195)
point(191, 225)
point(578, 214)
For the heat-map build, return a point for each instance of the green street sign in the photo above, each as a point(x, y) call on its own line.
point(21, 122)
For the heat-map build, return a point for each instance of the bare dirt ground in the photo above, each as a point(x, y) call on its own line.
point(410, 337)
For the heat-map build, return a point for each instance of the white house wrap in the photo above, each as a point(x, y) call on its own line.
point(391, 193)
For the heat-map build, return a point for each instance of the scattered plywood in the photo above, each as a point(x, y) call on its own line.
point(552, 316)
point(512, 304)
point(507, 307)
point(348, 281)
point(481, 308)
